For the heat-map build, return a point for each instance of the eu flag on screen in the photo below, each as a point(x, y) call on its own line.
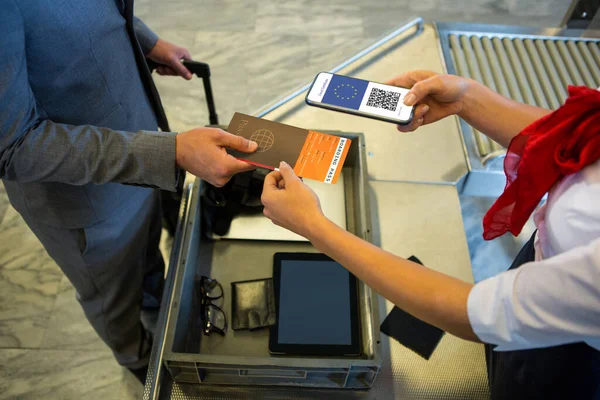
point(345, 92)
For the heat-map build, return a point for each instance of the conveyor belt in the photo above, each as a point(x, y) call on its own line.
point(531, 69)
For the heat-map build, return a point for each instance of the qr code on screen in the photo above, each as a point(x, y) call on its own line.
point(383, 99)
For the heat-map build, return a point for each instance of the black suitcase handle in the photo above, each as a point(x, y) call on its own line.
point(202, 70)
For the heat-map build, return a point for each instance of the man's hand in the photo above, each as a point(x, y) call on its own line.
point(169, 57)
point(289, 202)
point(202, 152)
point(435, 96)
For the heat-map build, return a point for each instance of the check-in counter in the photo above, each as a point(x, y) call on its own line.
point(418, 188)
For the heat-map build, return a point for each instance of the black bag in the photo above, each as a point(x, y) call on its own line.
point(171, 201)
point(240, 195)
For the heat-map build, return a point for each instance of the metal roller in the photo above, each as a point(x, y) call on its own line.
point(518, 71)
point(560, 90)
point(530, 69)
point(592, 65)
point(470, 58)
point(593, 47)
point(569, 64)
point(496, 72)
point(580, 63)
point(495, 66)
point(488, 79)
point(558, 62)
point(542, 74)
point(536, 88)
point(483, 64)
point(459, 57)
point(507, 71)
point(483, 144)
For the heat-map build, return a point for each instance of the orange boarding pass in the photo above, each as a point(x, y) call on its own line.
point(313, 155)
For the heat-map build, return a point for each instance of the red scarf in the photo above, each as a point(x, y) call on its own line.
point(558, 144)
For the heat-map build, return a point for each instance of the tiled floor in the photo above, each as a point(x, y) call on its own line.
point(258, 51)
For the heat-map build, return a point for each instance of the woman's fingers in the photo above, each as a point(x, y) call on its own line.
point(413, 126)
point(417, 120)
point(408, 79)
point(272, 180)
point(423, 89)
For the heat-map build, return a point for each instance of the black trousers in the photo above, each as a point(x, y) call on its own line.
point(569, 371)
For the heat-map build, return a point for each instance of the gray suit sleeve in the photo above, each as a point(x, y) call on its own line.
point(145, 36)
point(33, 149)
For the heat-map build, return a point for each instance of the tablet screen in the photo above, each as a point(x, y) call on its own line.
point(317, 307)
point(314, 303)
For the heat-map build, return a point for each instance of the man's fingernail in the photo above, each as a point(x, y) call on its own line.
point(410, 99)
point(283, 164)
point(253, 145)
point(420, 121)
point(425, 108)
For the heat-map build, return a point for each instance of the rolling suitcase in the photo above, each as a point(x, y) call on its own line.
point(171, 200)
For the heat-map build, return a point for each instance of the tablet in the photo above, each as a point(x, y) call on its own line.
point(316, 302)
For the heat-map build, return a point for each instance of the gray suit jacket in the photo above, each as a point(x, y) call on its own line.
point(75, 121)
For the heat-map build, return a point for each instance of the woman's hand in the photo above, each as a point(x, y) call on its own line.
point(437, 96)
point(289, 203)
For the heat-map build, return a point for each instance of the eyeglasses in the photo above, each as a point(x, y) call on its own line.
point(212, 318)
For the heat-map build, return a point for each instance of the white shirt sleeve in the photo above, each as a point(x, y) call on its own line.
point(544, 303)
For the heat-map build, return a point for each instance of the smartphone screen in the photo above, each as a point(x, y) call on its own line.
point(360, 97)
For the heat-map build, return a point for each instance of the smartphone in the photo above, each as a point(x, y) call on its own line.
point(360, 97)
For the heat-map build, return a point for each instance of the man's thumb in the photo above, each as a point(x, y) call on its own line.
point(238, 143)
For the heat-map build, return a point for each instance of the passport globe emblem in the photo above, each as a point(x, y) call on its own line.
point(264, 139)
point(345, 91)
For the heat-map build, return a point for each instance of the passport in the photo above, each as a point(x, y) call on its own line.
point(312, 155)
